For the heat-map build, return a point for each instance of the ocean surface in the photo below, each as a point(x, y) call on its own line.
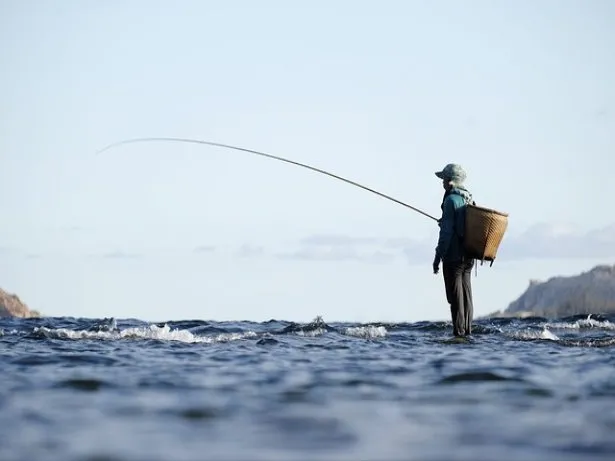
point(123, 389)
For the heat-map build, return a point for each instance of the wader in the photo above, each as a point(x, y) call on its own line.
point(457, 281)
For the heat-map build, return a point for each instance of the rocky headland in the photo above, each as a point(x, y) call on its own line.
point(591, 292)
point(12, 306)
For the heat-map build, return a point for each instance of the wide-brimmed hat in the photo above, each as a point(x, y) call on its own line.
point(452, 172)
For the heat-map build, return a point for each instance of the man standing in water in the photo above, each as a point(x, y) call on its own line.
point(456, 266)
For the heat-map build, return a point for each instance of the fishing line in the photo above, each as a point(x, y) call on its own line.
point(275, 157)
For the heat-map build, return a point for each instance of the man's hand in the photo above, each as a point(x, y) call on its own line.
point(436, 264)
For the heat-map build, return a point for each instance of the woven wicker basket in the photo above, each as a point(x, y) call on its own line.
point(484, 230)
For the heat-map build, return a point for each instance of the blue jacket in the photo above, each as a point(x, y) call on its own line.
point(452, 224)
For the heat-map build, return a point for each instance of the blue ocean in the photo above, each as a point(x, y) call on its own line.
point(123, 389)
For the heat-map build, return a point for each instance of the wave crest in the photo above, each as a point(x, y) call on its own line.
point(152, 332)
point(366, 332)
point(584, 324)
point(532, 335)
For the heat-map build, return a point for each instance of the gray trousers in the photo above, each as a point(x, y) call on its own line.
point(458, 284)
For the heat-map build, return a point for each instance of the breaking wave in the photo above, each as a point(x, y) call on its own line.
point(532, 335)
point(580, 331)
point(586, 323)
point(366, 332)
point(153, 332)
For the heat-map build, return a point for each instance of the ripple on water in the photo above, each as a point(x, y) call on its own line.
point(197, 413)
point(305, 432)
point(83, 384)
point(476, 376)
point(267, 341)
point(75, 359)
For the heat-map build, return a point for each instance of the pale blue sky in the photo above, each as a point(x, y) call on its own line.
point(385, 93)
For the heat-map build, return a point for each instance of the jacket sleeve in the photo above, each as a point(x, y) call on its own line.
point(447, 228)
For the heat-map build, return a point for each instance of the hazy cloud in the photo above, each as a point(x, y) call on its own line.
point(204, 249)
point(338, 253)
point(118, 254)
point(419, 252)
point(7, 252)
point(74, 228)
point(545, 240)
point(250, 251)
point(601, 112)
point(340, 247)
point(541, 241)
point(337, 240)
point(555, 241)
point(398, 242)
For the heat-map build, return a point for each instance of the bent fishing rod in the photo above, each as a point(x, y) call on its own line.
point(275, 157)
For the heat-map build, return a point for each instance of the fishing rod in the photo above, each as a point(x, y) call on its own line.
point(227, 146)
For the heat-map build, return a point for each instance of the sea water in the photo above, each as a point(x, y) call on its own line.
point(124, 389)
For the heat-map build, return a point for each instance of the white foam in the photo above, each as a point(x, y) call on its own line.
point(585, 323)
point(368, 332)
point(311, 333)
point(164, 333)
point(9, 332)
point(530, 335)
point(546, 334)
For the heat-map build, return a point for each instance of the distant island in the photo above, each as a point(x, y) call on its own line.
point(591, 292)
point(12, 306)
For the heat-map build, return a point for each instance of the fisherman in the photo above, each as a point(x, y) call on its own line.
point(456, 266)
